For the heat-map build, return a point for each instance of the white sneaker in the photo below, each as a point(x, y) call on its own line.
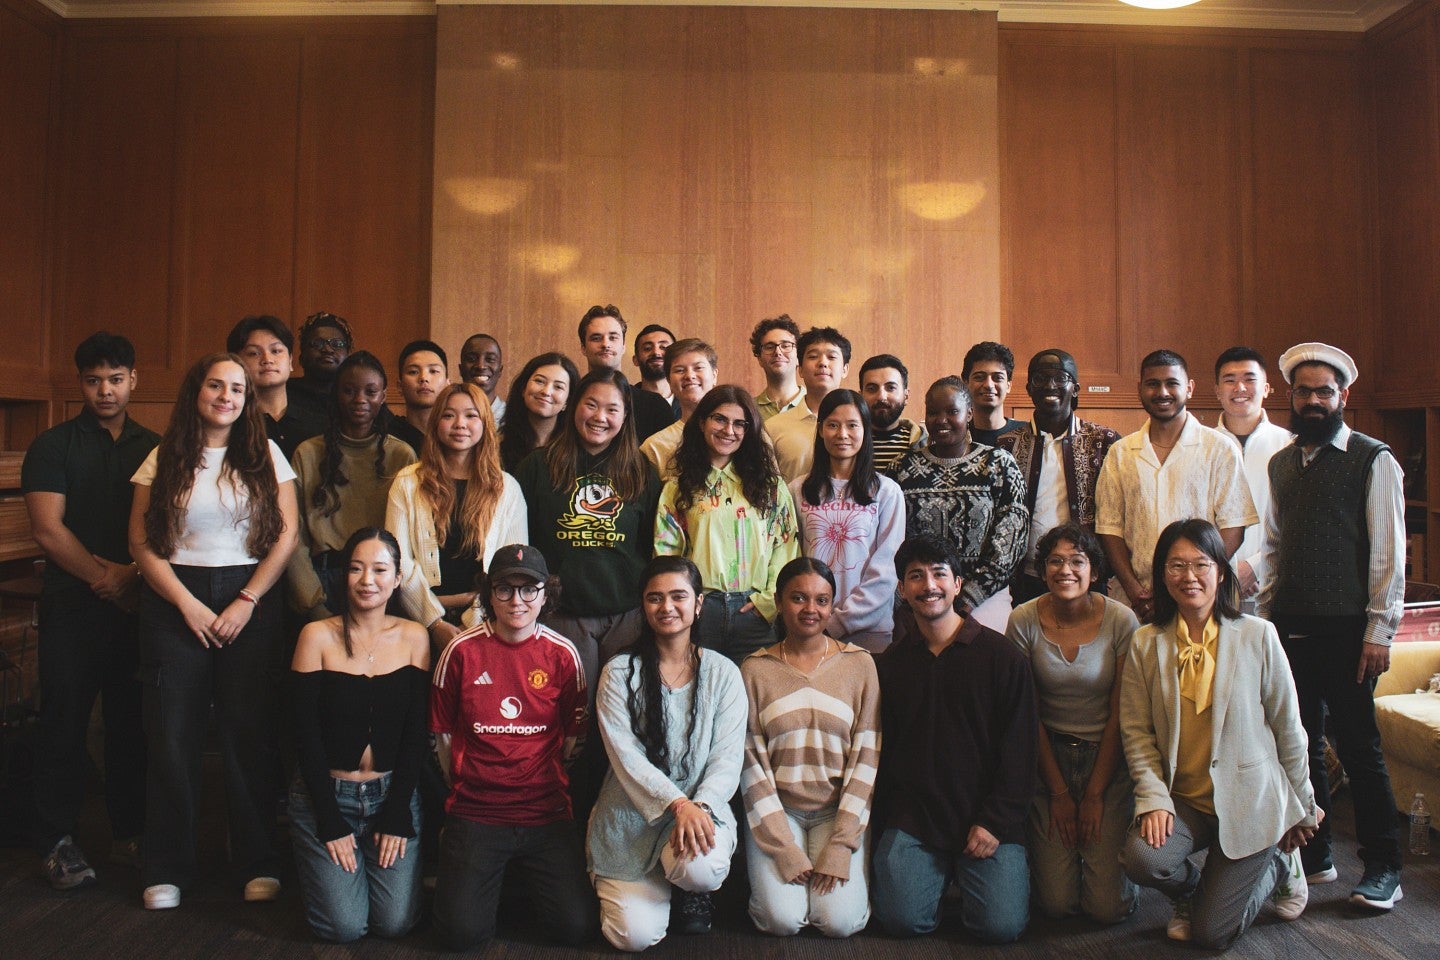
point(1292, 892)
point(162, 896)
point(1324, 875)
point(262, 890)
point(1179, 926)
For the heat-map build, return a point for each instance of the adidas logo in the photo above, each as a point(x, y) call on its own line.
point(484, 678)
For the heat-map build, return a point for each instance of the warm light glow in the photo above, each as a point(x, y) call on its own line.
point(548, 258)
point(504, 61)
point(1159, 4)
point(579, 291)
point(937, 67)
point(488, 196)
point(941, 199)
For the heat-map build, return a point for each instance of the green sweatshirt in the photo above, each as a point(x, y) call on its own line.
point(594, 542)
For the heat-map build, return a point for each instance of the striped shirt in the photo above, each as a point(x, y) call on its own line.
point(813, 744)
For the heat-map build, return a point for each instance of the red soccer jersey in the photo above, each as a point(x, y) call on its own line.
point(509, 709)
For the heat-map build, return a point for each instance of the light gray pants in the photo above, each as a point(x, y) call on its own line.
point(1226, 896)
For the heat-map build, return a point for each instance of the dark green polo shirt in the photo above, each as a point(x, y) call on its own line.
point(79, 459)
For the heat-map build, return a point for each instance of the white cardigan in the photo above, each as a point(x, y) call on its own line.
point(1259, 751)
point(409, 519)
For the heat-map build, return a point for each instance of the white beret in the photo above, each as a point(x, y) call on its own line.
point(1318, 353)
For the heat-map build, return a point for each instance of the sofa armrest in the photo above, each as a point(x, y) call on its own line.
point(1411, 666)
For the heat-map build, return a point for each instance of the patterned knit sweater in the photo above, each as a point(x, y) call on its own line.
point(813, 744)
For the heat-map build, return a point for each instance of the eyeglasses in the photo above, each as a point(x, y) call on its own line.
point(507, 591)
point(334, 343)
point(723, 422)
point(1176, 569)
point(782, 346)
point(1076, 563)
point(1052, 381)
point(1319, 393)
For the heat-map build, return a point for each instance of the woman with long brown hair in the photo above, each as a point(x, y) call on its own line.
point(212, 525)
point(450, 509)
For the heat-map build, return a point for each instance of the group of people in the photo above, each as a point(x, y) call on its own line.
point(592, 636)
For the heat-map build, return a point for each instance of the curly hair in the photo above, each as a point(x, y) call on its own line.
point(754, 461)
point(326, 495)
point(247, 464)
point(518, 438)
point(485, 481)
point(627, 467)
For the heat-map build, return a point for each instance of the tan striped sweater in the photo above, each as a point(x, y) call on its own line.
point(813, 743)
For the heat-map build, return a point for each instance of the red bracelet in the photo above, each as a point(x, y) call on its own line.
point(249, 597)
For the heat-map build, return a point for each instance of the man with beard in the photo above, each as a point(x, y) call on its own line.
point(1172, 468)
point(1334, 542)
point(885, 385)
point(1060, 456)
point(481, 363)
point(649, 357)
point(325, 342)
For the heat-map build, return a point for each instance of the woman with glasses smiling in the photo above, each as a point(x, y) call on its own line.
point(730, 513)
point(1212, 734)
point(1076, 641)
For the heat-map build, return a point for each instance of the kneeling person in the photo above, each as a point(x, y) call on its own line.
point(957, 704)
point(509, 705)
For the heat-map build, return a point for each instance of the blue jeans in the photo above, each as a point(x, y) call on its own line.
point(343, 906)
point(724, 628)
point(910, 879)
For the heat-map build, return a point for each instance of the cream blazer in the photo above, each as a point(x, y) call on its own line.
point(410, 521)
point(1259, 752)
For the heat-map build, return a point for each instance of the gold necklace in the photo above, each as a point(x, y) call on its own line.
point(680, 680)
point(824, 655)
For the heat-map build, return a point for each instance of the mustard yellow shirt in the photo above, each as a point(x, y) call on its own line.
point(1197, 687)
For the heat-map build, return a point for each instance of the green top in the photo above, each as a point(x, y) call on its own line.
point(594, 542)
point(79, 459)
point(362, 504)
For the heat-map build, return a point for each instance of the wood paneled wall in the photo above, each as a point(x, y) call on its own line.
point(1190, 190)
point(1403, 65)
point(30, 43)
point(707, 167)
point(209, 168)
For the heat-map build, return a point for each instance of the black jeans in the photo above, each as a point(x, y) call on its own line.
point(182, 679)
point(1324, 662)
point(88, 648)
point(547, 859)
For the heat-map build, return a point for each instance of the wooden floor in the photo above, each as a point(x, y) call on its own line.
point(106, 921)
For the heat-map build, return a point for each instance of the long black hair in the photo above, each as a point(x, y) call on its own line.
point(342, 602)
point(645, 700)
point(754, 461)
point(518, 437)
point(326, 495)
point(1206, 538)
point(864, 482)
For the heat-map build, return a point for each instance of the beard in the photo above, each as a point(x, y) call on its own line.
point(885, 418)
point(652, 372)
point(1312, 431)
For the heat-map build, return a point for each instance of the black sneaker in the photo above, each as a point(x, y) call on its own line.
point(1379, 888)
point(66, 867)
point(691, 913)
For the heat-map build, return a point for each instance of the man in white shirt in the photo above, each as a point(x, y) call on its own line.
point(1172, 468)
point(1241, 386)
point(824, 362)
point(691, 366)
point(1334, 548)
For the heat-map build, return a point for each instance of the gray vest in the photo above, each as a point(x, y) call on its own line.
point(1324, 559)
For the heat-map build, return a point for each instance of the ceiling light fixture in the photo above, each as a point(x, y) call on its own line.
point(1159, 4)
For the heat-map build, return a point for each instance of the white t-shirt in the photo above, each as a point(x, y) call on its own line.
point(217, 518)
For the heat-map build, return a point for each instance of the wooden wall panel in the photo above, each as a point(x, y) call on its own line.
point(235, 190)
point(363, 192)
point(1179, 209)
point(1185, 189)
point(1405, 78)
point(1060, 232)
point(840, 166)
point(1311, 274)
point(29, 46)
point(116, 196)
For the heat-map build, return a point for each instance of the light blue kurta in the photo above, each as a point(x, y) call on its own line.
point(631, 821)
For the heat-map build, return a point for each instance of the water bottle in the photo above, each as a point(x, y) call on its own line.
point(1419, 827)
